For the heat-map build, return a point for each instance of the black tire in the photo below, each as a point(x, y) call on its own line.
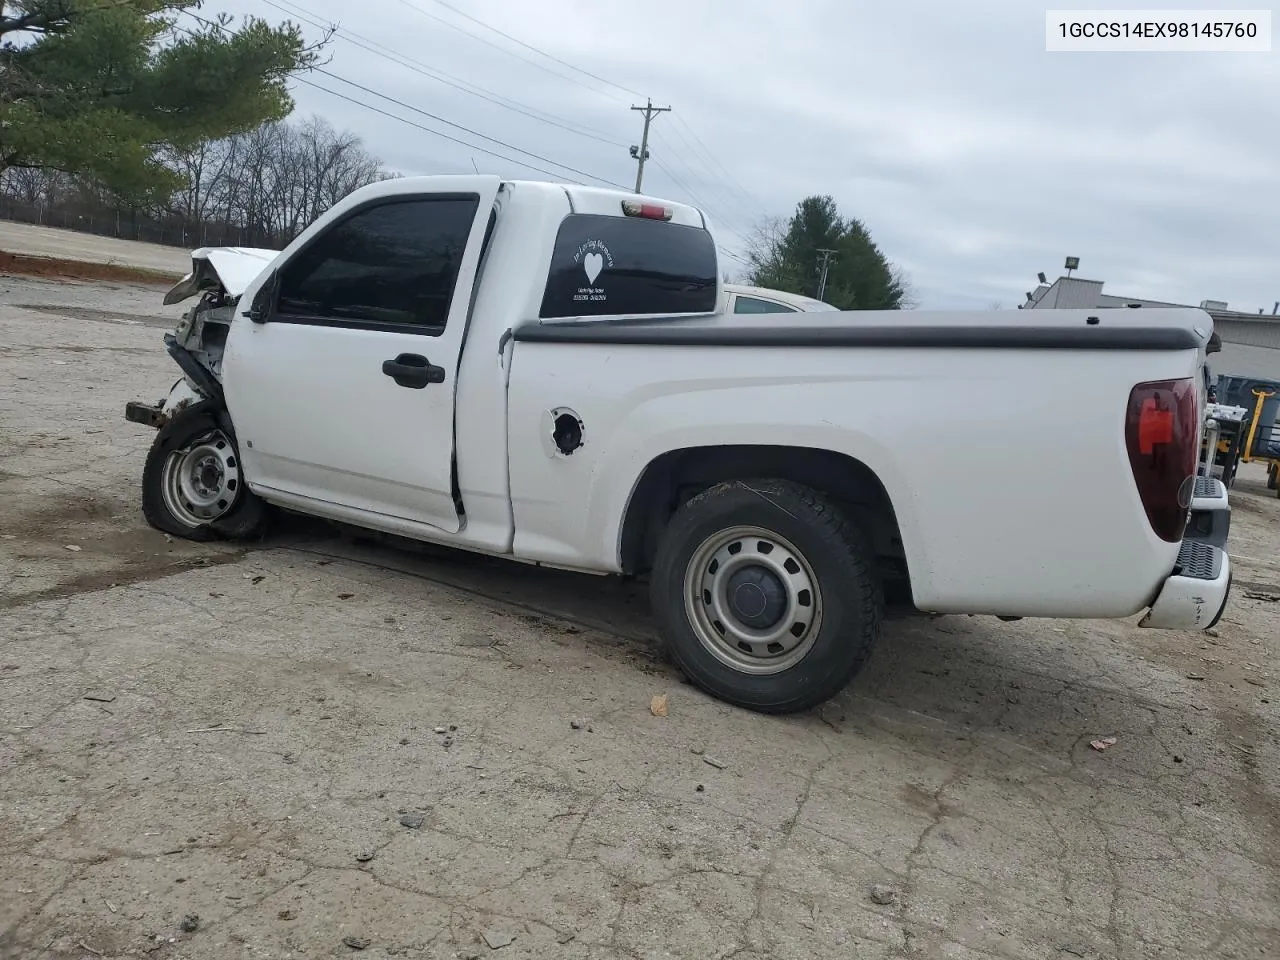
point(849, 594)
point(247, 514)
point(1271, 477)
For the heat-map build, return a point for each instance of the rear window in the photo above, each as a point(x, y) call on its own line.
point(604, 266)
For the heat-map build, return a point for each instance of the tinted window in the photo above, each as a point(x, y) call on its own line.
point(753, 305)
point(395, 263)
point(625, 265)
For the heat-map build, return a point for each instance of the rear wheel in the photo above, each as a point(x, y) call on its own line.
point(765, 595)
point(192, 484)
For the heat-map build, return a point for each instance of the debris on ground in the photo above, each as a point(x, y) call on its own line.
point(1102, 744)
point(364, 856)
point(413, 821)
point(356, 943)
point(440, 730)
point(697, 751)
point(497, 939)
point(718, 764)
point(699, 788)
point(73, 548)
point(190, 923)
point(1195, 676)
point(1264, 597)
point(286, 914)
point(883, 895)
point(345, 596)
point(658, 705)
point(578, 724)
point(98, 698)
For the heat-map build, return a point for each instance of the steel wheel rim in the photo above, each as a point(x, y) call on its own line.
point(201, 482)
point(721, 585)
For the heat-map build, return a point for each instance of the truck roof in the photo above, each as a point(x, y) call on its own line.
point(799, 301)
point(608, 202)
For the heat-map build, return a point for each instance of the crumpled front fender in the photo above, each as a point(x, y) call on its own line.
point(181, 395)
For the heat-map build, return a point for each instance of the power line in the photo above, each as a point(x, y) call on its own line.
point(458, 126)
point(450, 123)
point(746, 195)
point(501, 143)
point(506, 50)
point(751, 201)
point(373, 46)
point(722, 196)
point(722, 221)
point(683, 186)
point(528, 46)
point(437, 133)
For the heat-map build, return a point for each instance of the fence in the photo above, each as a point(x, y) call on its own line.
point(130, 225)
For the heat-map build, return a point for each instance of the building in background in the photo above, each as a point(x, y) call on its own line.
point(1250, 341)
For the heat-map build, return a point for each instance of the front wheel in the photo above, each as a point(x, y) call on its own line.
point(765, 595)
point(192, 484)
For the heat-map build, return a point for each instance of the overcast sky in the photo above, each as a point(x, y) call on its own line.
point(974, 157)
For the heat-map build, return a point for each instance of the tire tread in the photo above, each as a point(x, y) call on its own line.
point(827, 522)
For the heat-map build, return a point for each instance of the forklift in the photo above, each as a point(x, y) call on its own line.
point(1242, 427)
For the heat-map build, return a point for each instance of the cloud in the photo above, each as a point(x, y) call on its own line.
point(975, 158)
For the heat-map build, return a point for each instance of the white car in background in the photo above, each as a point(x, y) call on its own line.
point(740, 298)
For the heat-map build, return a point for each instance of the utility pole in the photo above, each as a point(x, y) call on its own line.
point(824, 265)
point(641, 153)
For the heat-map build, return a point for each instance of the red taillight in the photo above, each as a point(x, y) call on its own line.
point(649, 211)
point(1162, 434)
point(1155, 426)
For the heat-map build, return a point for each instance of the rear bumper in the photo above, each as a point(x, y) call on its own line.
point(1195, 595)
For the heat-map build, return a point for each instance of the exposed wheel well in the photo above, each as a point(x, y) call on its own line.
point(674, 477)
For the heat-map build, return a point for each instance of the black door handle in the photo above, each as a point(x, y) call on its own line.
point(413, 370)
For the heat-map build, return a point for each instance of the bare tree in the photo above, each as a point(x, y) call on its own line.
point(260, 188)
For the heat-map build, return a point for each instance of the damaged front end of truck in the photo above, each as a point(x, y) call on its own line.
point(219, 275)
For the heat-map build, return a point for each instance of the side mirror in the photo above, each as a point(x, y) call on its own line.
point(261, 305)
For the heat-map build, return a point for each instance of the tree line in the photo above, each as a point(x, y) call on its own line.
point(257, 188)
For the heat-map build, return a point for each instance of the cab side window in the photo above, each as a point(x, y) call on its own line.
point(754, 305)
point(393, 265)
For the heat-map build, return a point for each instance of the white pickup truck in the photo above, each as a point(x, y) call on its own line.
point(540, 372)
